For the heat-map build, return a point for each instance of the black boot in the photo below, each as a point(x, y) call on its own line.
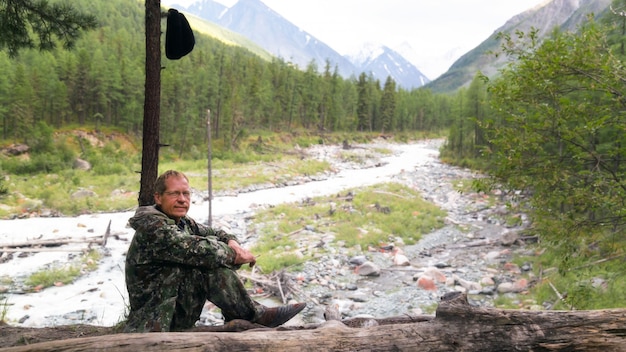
point(275, 316)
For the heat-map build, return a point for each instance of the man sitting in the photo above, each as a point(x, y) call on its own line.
point(174, 265)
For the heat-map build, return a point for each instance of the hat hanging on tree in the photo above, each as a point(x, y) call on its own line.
point(179, 39)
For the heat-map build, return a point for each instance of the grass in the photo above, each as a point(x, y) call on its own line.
point(52, 276)
point(597, 283)
point(227, 175)
point(4, 300)
point(5, 308)
point(65, 274)
point(59, 193)
point(358, 218)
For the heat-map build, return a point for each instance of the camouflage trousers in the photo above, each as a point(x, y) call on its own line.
point(171, 298)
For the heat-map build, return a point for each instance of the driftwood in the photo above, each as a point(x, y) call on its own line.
point(457, 326)
point(49, 245)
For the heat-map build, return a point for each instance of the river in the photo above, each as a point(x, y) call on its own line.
point(100, 297)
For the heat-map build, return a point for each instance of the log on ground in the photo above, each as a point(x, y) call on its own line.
point(457, 326)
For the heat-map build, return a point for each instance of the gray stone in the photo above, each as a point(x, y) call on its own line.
point(368, 269)
point(81, 164)
point(83, 193)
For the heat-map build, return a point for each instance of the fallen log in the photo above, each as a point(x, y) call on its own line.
point(49, 245)
point(477, 243)
point(41, 249)
point(457, 326)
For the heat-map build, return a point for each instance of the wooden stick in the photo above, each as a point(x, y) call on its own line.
point(51, 243)
point(106, 235)
point(280, 289)
point(559, 295)
point(597, 262)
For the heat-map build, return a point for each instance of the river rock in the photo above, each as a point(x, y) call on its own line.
point(83, 193)
point(358, 296)
point(487, 281)
point(436, 274)
point(492, 255)
point(513, 287)
point(16, 149)
point(466, 284)
point(427, 283)
point(400, 259)
point(357, 260)
point(598, 282)
point(80, 164)
point(512, 268)
point(367, 269)
point(509, 238)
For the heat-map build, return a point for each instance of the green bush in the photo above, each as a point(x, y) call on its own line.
point(3, 188)
point(41, 138)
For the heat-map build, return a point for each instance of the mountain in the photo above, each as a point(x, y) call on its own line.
point(565, 15)
point(269, 30)
point(382, 62)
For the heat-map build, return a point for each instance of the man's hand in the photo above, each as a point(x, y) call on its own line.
point(242, 255)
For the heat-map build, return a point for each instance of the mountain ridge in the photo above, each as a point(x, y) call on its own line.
point(566, 15)
point(268, 29)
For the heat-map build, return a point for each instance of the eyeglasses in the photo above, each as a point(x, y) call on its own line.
point(177, 194)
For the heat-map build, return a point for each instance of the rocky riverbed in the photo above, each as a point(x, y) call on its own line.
point(471, 253)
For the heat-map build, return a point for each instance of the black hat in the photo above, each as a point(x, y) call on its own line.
point(179, 39)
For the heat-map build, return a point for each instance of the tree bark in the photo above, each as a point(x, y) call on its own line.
point(152, 104)
point(457, 326)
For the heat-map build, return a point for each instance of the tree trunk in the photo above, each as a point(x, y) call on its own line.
point(457, 326)
point(152, 104)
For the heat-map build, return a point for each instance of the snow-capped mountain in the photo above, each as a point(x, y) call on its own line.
point(382, 62)
point(268, 29)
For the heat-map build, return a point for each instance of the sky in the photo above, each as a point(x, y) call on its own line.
point(438, 31)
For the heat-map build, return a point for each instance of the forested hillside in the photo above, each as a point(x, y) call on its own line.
point(551, 129)
point(101, 83)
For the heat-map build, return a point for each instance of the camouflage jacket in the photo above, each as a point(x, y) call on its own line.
point(159, 261)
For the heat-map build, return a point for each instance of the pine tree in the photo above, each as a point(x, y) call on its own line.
point(388, 105)
point(19, 18)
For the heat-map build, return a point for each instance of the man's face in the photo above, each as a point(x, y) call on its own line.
point(174, 202)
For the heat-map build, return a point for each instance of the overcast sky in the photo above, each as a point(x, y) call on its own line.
point(438, 31)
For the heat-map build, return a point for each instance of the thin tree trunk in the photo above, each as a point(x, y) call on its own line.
point(152, 107)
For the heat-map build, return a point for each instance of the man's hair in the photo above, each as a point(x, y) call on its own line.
point(159, 185)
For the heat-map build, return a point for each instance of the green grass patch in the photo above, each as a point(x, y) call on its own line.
point(372, 216)
point(291, 261)
point(590, 285)
point(71, 192)
point(64, 274)
point(53, 276)
point(506, 302)
point(4, 310)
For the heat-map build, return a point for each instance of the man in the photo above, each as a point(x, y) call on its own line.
point(174, 265)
